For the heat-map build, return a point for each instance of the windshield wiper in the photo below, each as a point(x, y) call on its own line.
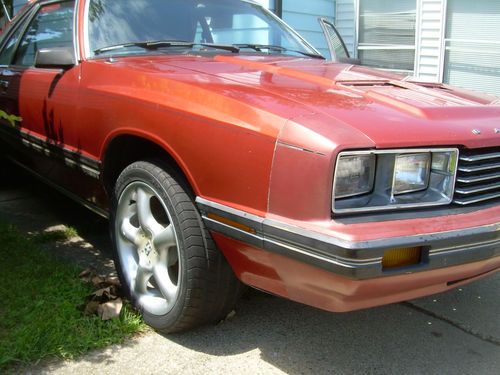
point(271, 47)
point(154, 45)
point(234, 48)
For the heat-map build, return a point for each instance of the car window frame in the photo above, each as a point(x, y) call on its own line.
point(19, 25)
point(325, 24)
point(26, 23)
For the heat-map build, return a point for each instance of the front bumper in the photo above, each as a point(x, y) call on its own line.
point(301, 282)
point(349, 259)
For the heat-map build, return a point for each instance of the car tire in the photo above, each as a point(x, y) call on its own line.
point(167, 262)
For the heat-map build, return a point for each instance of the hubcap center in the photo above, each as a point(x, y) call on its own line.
point(148, 249)
point(148, 256)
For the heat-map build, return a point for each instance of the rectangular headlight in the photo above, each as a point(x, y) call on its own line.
point(354, 175)
point(444, 161)
point(411, 173)
point(376, 180)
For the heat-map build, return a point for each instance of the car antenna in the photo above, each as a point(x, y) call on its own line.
point(6, 10)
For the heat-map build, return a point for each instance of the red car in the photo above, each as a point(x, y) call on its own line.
point(226, 151)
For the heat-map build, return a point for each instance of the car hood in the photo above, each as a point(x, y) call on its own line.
point(387, 109)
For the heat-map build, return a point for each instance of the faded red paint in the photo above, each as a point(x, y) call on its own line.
point(229, 121)
point(303, 283)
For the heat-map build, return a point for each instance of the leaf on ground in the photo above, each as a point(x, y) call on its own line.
point(104, 301)
point(105, 294)
point(112, 280)
point(91, 308)
point(97, 281)
point(86, 275)
point(110, 310)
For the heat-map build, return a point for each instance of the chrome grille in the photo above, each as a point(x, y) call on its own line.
point(478, 178)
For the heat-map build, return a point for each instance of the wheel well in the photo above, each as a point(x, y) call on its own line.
point(127, 149)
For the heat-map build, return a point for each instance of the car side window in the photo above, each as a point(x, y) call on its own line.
point(7, 52)
point(51, 27)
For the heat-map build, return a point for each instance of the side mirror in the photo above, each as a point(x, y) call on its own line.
point(55, 58)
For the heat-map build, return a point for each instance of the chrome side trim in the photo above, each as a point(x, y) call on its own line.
point(76, 37)
point(71, 159)
point(337, 264)
point(83, 202)
point(85, 40)
point(261, 240)
point(358, 260)
point(235, 233)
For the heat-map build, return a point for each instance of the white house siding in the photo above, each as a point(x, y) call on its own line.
point(303, 16)
point(429, 40)
point(345, 21)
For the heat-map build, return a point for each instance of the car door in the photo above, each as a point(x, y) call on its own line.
point(40, 103)
point(336, 45)
point(9, 79)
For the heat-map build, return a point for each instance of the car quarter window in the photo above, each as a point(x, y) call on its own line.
point(9, 47)
point(51, 27)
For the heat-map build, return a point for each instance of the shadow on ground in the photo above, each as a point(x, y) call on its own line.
point(270, 335)
point(35, 208)
point(299, 340)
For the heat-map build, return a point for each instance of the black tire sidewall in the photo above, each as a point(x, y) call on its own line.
point(142, 172)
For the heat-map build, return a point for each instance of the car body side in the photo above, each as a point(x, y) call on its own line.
point(257, 139)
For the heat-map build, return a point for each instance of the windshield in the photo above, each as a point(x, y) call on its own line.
point(241, 23)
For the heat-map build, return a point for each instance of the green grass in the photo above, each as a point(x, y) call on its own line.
point(40, 299)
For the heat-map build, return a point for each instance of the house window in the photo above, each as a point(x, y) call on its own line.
point(386, 36)
point(472, 55)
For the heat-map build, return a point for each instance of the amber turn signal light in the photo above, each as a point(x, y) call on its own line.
point(231, 223)
point(406, 256)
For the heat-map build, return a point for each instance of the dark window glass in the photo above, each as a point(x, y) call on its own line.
point(8, 49)
point(51, 27)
